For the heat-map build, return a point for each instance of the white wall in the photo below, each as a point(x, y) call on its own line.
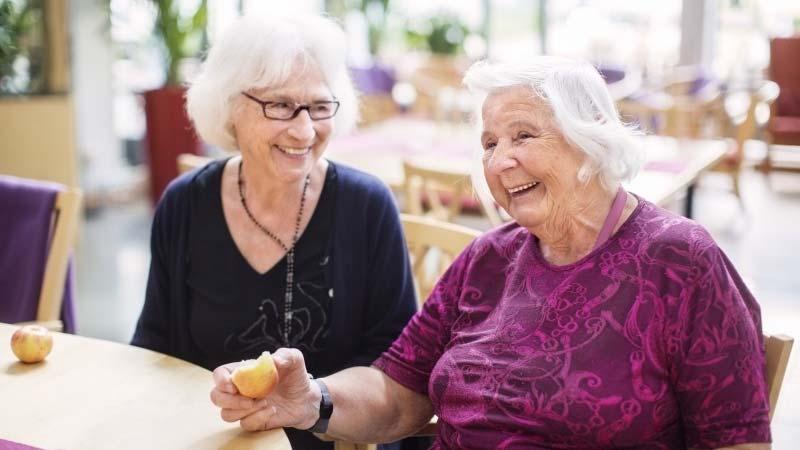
point(92, 92)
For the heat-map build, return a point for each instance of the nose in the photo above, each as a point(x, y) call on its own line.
point(302, 127)
point(500, 159)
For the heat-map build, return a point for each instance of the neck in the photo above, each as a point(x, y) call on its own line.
point(572, 229)
point(265, 194)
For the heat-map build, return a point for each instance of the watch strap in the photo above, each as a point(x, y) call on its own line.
point(325, 409)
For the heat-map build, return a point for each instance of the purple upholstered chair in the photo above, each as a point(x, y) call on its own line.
point(38, 224)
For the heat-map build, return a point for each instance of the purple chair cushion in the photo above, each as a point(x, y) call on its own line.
point(26, 208)
point(611, 74)
point(373, 80)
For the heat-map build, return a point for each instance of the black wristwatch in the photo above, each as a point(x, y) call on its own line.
point(325, 409)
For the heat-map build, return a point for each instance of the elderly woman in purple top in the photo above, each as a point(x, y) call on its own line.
point(595, 321)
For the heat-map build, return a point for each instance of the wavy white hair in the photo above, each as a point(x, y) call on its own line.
point(581, 106)
point(259, 51)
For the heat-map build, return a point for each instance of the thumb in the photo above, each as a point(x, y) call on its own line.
point(289, 359)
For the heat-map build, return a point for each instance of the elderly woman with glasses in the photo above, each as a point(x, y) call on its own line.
point(595, 320)
point(276, 247)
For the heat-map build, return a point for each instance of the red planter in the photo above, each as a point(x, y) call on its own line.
point(169, 133)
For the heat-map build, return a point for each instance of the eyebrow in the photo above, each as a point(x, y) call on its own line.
point(524, 124)
point(287, 98)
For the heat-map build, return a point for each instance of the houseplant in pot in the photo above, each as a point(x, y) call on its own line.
point(441, 38)
point(169, 131)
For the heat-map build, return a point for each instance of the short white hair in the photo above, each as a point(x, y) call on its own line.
point(259, 51)
point(581, 105)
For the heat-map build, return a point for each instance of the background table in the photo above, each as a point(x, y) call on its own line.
point(672, 166)
point(93, 394)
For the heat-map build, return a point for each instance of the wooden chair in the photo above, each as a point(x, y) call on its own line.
point(778, 348)
point(189, 161)
point(742, 125)
point(440, 194)
point(784, 124)
point(64, 228)
point(432, 245)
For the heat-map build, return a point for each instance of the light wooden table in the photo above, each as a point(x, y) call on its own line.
point(92, 394)
point(671, 169)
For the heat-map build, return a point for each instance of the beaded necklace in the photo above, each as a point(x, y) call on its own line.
point(287, 306)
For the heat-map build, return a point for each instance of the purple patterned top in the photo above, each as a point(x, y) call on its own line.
point(652, 341)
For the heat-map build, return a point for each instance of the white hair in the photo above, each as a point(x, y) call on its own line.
point(581, 106)
point(258, 51)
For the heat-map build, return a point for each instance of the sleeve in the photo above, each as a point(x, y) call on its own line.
point(152, 328)
point(718, 366)
point(391, 299)
point(412, 357)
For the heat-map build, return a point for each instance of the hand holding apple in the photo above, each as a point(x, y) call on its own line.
point(294, 402)
point(31, 343)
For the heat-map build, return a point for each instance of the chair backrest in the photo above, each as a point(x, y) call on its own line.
point(432, 245)
point(779, 347)
point(440, 194)
point(59, 227)
point(189, 161)
point(784, 66)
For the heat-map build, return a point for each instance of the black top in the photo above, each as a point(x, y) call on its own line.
point(237, 312)
point(373, 292)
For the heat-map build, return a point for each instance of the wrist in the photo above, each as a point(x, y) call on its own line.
point(324, 410)
point(311, 406)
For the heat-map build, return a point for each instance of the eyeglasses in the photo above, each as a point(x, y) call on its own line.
point(290, 110)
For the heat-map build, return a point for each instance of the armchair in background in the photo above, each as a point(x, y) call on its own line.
point(784, 124)
point(38, 228)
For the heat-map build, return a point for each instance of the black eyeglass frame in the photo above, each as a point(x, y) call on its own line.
point(297, 108)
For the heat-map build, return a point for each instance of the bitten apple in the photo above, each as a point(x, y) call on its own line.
point(256, 378)
point(31, 343)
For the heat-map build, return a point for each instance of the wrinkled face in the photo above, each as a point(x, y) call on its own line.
point(286, 150)
point(530, 168)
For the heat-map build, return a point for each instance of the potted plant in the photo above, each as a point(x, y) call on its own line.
point(440, 71)
point(16, 23)
point(169, 130)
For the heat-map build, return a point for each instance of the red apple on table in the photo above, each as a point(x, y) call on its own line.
point(31, 343)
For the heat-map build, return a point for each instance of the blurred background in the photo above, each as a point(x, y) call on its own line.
point(91, 94)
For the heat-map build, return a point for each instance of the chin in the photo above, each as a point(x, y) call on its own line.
point(525, 217)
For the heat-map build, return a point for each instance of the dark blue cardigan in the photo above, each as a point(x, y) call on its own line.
point(373, 288)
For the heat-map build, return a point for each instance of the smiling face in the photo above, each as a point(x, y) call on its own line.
point(529, 166)
point(286, 150)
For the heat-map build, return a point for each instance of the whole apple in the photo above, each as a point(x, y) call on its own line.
point(31, 343)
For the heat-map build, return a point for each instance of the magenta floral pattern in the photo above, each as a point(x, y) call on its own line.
point(652, 341)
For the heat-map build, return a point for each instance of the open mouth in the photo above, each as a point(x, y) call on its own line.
point(294, 151)
point(523, 189)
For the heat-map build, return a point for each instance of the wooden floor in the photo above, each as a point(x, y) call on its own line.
point(763, 241)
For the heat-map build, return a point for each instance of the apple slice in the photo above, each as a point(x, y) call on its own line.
point(256, 378)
